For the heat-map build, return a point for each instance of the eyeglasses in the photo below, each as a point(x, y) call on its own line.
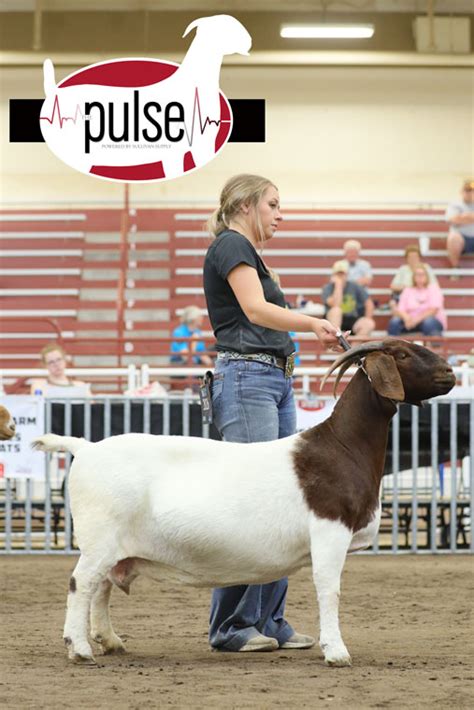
point(53, 362)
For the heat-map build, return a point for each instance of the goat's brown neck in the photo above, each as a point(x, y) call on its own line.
point(339, 463)
point(363, 416)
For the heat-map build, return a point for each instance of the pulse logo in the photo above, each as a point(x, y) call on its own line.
point(144, 120)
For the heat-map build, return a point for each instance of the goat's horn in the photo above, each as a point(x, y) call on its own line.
point(345, 366)
point(353, 354)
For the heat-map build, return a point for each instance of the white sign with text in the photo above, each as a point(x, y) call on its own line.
point(17, 459)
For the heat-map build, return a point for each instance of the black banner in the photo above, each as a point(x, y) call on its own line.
point(249, 121)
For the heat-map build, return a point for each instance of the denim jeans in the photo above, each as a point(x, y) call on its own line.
point(428, 326)
point(252, 401)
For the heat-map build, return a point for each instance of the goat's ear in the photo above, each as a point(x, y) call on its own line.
point(384, 375)
point(190, 27)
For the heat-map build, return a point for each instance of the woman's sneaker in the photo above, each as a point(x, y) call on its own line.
point(259, 643)
point(298, 641)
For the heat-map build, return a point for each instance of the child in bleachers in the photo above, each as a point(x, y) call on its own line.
point(54, 358)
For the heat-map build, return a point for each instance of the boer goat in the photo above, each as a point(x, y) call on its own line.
point(199, 511)
point(7, 424)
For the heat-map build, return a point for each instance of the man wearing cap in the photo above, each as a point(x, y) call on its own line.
point(359, 270)
point(460, 216)
point(348, 306)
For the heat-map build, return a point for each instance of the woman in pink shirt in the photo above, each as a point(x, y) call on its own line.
point(420, 308)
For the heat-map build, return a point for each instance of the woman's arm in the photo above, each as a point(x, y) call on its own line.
point(421, 316)
point(248, 290)
point(403, 308)
point(337, 295)
point(397, 283)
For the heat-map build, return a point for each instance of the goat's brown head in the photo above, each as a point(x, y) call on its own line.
point(399, 370)
point(7, 425)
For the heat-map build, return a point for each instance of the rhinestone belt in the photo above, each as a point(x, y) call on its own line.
point(287, 364)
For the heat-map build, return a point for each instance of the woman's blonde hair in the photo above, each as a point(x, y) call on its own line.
point(50, 348)
point(238, 190)
point(421, 267)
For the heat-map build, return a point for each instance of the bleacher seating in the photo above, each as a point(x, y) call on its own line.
point(307, 244)
point(60, 271)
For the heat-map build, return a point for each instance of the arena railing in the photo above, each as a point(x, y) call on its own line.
point(427, 487)
point(129, 375)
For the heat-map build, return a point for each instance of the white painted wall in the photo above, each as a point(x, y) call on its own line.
point(333, 134)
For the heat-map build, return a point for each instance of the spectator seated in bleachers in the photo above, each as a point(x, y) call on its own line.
point(420, 308)
point(348, 306)
point(57, 383)
point(404, 275)
point(359, 270)
point(460, 216)
point(191, 322)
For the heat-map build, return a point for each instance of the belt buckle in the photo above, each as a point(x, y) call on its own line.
point(289, 365)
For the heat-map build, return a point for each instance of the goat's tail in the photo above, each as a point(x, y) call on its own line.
point(52, 442)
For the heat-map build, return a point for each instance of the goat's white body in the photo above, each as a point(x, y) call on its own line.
point(197, 511)
point(217, 514)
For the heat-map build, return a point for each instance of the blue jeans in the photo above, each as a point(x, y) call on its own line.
point(252, 401)
point(428, 326)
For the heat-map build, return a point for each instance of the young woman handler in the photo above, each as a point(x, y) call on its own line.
point(252, 393)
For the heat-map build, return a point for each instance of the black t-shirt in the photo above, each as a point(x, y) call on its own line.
point(232, 328)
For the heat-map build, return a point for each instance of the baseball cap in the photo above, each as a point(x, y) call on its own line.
point(340, 266)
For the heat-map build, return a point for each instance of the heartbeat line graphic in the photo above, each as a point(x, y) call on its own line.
point(202, 126)
point(62, 119)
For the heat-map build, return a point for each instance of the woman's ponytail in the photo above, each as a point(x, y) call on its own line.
point(216, 222)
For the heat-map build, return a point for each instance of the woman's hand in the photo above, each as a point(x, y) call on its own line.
point(327, 333)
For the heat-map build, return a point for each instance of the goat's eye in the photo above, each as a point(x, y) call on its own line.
point(401, 356)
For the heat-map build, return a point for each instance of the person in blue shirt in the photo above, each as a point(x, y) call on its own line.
point(297, 347)
point(191, 322)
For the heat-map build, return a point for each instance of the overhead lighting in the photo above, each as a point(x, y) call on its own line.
point(326, 31)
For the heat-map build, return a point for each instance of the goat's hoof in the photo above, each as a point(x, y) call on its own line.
point(109, 650)
point(110, 644)
point(83, 660)
point(338, 661)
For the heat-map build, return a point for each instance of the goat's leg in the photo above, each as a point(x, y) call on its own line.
point(101, 626)
point(85, 579)
point(330, 541)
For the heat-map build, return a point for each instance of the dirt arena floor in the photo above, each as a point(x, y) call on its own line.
point(405, 620)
